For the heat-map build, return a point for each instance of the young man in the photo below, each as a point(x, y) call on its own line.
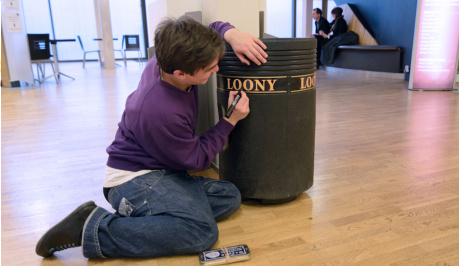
point(322, 25)
point(320, 22)
point(161, 210)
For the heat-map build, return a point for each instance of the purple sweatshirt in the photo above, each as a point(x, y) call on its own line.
point(157, 126)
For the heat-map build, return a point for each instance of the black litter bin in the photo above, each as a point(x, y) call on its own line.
point(270, 154)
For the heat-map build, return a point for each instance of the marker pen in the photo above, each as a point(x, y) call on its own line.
point(233, 104)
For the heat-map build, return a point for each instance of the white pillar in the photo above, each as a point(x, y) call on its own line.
point(104, 31)
point(308, 17)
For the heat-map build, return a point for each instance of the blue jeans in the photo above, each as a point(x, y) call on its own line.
point(161, 213)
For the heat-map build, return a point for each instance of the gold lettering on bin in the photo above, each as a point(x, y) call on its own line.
point(245, 84)
point(307, 82)
point(271, 82)
point(311, 81)
point(239, 85)
point(274, 84)
point(303, 84)
point(236, 84)
point(260, 85)
point(248, 84)
point(229, 84)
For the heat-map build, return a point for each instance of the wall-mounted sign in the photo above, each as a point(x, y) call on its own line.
point(11, 5)
point(435, 47)
point(13, 22)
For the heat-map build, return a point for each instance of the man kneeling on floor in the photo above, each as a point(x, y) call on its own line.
point(161, 210)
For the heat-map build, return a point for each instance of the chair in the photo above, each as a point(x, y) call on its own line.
point(40, 54)
point(120, 50)
point(86, 52)
point(131, 43)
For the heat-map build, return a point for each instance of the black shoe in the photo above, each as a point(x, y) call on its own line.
point(67, 233)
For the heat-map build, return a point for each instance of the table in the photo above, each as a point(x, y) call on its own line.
point(100, 39)
point(58, 74)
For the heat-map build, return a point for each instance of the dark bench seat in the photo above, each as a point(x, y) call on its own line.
point(370, 47)
point(381, 58)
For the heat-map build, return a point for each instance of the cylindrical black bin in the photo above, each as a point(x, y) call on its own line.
point(270, 154)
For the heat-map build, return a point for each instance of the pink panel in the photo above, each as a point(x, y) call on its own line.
point(437, 45)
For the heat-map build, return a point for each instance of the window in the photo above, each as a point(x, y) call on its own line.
point(279, 18)
point(126, 17)
point(37, 18)
point(65, 19)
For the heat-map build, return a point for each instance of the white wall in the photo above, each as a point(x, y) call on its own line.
point(159, 9)
point(177, 8)
point(243, 14)
point(14, 36)
point(156, 10)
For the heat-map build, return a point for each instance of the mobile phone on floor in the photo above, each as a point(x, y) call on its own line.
point(224, 255)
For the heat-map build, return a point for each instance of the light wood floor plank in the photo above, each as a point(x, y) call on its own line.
point(386, 177)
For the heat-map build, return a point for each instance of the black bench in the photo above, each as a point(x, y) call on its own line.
point(381, 58)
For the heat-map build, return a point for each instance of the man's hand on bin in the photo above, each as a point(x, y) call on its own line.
point(244, 43)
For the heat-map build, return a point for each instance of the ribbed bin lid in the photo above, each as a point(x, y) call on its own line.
point(312, 55)
point(289, 44)
point(286, 56)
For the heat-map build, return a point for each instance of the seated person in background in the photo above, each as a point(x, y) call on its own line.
point(338, 25)
point(322, 25)
point(161, 209)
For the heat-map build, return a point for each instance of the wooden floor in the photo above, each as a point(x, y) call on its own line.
point(386, 183)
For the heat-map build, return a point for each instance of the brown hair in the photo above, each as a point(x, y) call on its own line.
point(338, 11)
point(187, 45)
